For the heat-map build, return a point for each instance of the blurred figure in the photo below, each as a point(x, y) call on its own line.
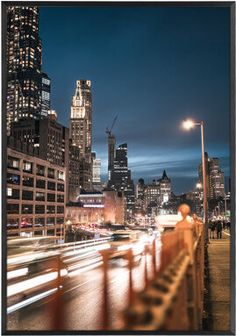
point(70, 235)
point(212, 230)
point(219, 228)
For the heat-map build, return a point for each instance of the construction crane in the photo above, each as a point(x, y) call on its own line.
point(108, 131)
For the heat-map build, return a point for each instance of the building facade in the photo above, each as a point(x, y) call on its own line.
point(24, 59)
point(81, 129)
point(45, 95)
point(74, 172)
point(49, 139)
point(140, 196)
point(121, 178)
point(164, 185)
point(97, 207)
point(96, 173)
point(36, 196)
point(216, 179)
point(151, 194)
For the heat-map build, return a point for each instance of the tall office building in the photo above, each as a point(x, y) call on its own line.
point(96, 178)
point(164, 188)
point(216, 179)
point(215, 186)
point(81, 117)
point(73, 172)
point(121, 177)
point(81, 129)
point(45, 138)
point(45, 95)
point(139, 195)
point(24, 58)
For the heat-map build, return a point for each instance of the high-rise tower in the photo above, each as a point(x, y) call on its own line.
point(81, 130)
point(81, 117)
point(24, 58)
point(121, 177)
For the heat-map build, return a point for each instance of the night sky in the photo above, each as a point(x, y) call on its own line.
point(153, 67)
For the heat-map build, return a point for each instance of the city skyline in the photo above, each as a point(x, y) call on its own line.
point(162, 63)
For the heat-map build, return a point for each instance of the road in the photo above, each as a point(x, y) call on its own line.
point(82, 305)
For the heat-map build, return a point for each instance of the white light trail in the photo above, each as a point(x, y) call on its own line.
point(27, 302)
point(17, 273)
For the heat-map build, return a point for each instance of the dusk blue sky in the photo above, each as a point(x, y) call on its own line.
point(153, 67)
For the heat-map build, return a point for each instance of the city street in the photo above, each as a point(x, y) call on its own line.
point(83, 304)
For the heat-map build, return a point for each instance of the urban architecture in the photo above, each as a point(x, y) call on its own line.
point(121, 178)
point(96, 208)
point(140, 196)
point(24, 60)
point(36, 195)
point(151, 194)
point(48, 138)
point(96, 176)
point(81, 129)
point(214, 178)
point(164, 185)
point(74, 172)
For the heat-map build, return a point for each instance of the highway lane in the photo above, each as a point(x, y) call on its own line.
point(82, 306)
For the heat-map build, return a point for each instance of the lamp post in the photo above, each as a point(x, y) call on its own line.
point(187, 125)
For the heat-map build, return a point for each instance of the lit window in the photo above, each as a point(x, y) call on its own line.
point(9, 191)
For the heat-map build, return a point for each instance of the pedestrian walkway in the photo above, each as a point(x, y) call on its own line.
point(219, 282)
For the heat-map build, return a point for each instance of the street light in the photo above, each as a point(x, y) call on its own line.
point(188, 125)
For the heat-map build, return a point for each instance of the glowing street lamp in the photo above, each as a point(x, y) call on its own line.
point(188, 125)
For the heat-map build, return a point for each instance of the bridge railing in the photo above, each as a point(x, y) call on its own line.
point(173, 299)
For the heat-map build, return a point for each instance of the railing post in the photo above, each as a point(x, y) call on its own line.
point(145, 268)
point(154, 258)
point(57, 305)
point(130, 266)
point(105, 303)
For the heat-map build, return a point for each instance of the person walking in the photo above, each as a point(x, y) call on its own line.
point(219, 228)
point(212, 228)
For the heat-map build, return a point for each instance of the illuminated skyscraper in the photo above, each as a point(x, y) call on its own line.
point(81, 117)
point(81, 129)
point(121, 177)
point(24, 59)
point(216, 179)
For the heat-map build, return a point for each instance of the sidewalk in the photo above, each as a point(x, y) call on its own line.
point(219, 273)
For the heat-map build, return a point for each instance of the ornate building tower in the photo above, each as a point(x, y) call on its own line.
point(81, 129)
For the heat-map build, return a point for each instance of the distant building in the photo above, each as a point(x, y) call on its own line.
point(151, 194)
point(36, 195)
point(96, 207)
point(214, 178)
point(24, 59)
point(164, 185)
point(74, 172)
point(81, 129)
point(96, 177)
point(139, 196)
point(121, 178)
point(157, 194)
